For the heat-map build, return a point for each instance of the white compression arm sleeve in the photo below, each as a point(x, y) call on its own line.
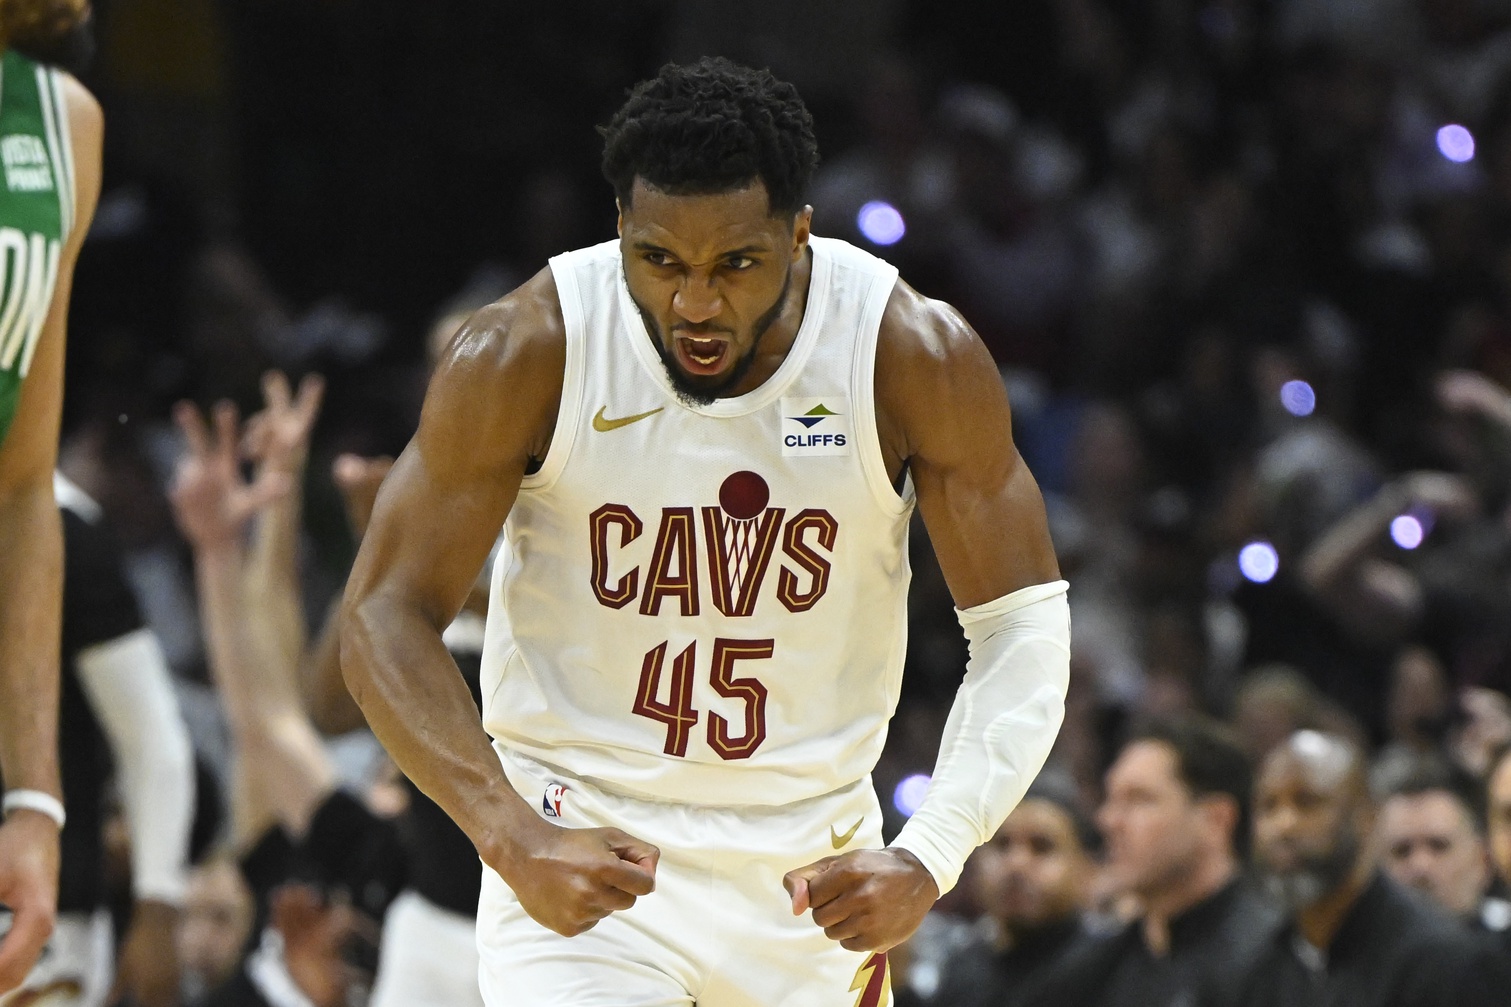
point(1000, 729)
point(128, 686)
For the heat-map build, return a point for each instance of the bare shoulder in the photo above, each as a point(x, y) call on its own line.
point(85, 117)
point(86, 130)
point(927, 357)
point(502, 372)
point(521, 333)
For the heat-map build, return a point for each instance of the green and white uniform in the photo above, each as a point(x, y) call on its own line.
point(36, 213)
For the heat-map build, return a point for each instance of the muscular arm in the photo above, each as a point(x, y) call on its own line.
point(31, 559)
point(942, 409)
point(491, 407)
point(31, 534)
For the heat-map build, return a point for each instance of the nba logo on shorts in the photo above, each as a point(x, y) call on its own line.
point(551, 803)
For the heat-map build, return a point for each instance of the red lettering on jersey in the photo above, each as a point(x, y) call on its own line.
point(738, 554)
point(726, 653)
point(621, 593)
point(801, 553)
point(677, 712)
point(676, 548)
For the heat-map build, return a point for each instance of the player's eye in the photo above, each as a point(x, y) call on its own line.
point(739, 263)
point(658, 258)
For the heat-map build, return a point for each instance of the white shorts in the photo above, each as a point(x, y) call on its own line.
point(76, 968)
point(428, 957)
point(718, 931)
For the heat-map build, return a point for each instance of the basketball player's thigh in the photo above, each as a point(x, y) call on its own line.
point(766, 955)
point(622, 962)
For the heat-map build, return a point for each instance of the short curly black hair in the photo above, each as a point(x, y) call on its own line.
point(712, 126)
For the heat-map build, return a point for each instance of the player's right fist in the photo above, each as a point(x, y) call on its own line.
point(569, 879)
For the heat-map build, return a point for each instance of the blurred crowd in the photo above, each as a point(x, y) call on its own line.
point(1245, 266)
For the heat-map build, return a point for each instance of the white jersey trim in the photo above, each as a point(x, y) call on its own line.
point(573, 377)
point(872, 461)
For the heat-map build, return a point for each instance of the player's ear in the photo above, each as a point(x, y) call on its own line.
point(619, 220)
point(802, 230)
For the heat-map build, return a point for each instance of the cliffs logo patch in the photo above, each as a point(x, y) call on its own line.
point(551, 803)
point(816, 427)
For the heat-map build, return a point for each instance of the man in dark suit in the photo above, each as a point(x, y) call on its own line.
point(1355, 938)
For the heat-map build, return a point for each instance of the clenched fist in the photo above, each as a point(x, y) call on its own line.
point(569, 879)
point(868, 900)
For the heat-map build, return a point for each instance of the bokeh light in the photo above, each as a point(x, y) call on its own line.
point(909, 793)
point(1298, 398)
point(881, 223)
point(1407, 532)
point(1259, 562)
point(1456, 143)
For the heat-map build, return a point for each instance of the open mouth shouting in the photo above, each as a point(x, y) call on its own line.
point(701, 354)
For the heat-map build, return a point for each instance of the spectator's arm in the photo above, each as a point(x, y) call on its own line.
point(331, 705)
point(128, 686)
point(282, 772)
point(1473, 393)
point(1368, 593)
point(278, 439)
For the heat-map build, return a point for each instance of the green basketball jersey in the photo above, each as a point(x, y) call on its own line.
point(36, 213)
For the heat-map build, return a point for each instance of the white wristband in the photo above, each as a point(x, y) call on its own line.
point(33, 800)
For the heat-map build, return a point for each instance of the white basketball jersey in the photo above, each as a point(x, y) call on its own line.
point(705, 604)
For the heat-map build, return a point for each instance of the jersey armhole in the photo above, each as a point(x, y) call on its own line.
point(863, 381)
point(60, 135)
point(573, 375)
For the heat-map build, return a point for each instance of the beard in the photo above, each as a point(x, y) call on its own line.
point(1315, 876)
point(704, 394)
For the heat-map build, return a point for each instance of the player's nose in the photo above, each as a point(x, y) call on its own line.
point(696, 300)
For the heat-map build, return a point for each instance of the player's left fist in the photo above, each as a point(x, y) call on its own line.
point(868, 900)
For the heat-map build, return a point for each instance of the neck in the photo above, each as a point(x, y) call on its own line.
point(1209, 877)
point(1319, 922)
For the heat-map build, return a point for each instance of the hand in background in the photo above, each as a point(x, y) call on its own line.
point(1472, 393)
point(1443, 493)
point(211, 500)
point(278, 437)
point(1486, 728)
point(358, 479)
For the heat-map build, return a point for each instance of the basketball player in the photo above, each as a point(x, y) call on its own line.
point(50, 138)
point(707, 439)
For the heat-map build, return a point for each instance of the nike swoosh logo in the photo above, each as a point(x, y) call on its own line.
point(838, 840)
point(603, 424)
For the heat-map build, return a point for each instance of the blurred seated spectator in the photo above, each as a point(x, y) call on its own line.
point(1273, 702)
point(1032, 882)
point(1174, 819)
point(214, 927)
point(1498, 814)
point(1354, 938)
point(1432, 834)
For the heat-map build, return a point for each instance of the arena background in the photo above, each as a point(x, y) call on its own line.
point(1245, 265)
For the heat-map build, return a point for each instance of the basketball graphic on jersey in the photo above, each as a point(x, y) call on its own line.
point(744, 495)
point(741, 533)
